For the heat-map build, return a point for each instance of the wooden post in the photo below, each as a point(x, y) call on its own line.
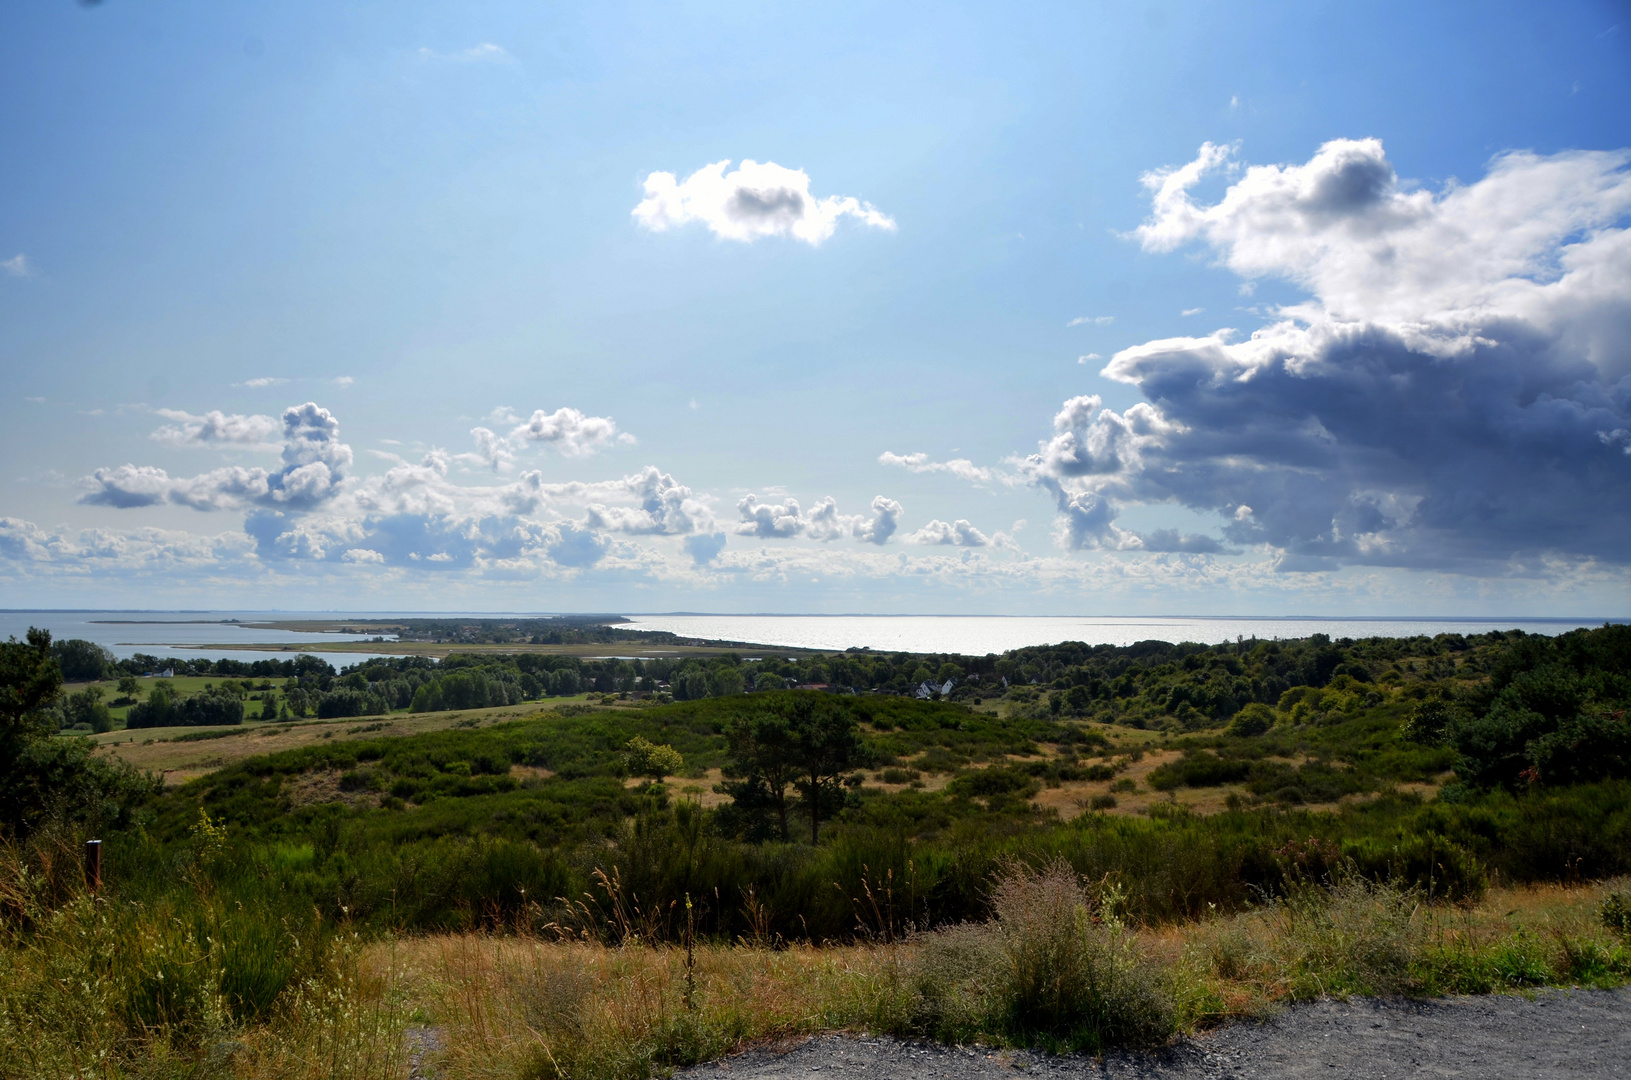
point(93, 865)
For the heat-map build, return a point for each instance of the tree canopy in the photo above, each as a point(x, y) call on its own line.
point(804, 743)
point(43, 777)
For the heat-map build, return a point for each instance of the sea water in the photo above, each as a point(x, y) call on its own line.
point(976, 635)
point(161, 632)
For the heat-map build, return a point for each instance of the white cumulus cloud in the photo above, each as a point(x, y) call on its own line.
point(570, 431)
point(314, 465)
point(754, 200)
point(959, 533)
point(786, 519)
point(665, 507)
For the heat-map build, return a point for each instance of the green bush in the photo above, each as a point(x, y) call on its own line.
point(654, 760)
point(1254, 719)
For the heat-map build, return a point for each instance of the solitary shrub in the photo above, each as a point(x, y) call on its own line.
point(1054, 966)
point(1254, 719)
point(651, 759)
point(1070, 973)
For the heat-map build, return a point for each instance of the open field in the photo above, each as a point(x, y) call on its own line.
point(180, 754)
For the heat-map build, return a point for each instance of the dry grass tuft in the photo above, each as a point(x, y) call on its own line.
point(521, 1006)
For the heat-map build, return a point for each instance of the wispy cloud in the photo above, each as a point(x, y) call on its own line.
point(216, 428)
point(18, 266)
point(1088, 358)
point(1091, 320)
point(1187, 312)
point(484, 53)
point(919, 462)
point(262, 382)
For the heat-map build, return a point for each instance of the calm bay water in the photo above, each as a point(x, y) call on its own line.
point(180, 633)
point(128, 632)
point(979, 634)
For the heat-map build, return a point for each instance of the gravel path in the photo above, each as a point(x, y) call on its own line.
point(1567, 1034)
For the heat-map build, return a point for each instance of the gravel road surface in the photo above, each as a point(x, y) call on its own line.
point(1566, 1034)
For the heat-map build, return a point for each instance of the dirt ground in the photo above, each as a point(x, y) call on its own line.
point(1561, 1034)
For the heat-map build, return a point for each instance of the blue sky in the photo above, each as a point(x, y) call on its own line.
point(963, 294)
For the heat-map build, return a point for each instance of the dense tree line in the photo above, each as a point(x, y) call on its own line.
point(164, 708)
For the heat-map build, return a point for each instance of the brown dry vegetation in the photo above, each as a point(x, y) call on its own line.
point(517, 1005)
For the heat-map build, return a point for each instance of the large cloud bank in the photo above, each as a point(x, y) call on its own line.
point(413, 516)
point(752, 201)
point(315, 462)
point(1455, 392)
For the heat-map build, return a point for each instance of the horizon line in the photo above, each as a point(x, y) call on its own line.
point(359, 613)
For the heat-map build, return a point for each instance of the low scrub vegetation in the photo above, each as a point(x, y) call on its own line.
point(615, 887)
